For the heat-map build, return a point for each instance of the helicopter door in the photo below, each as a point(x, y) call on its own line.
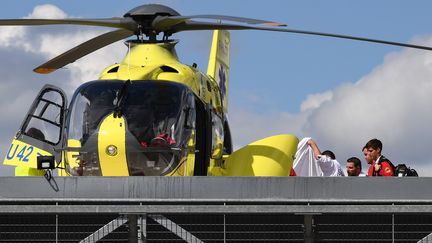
point(203, 138)
point(41, 132)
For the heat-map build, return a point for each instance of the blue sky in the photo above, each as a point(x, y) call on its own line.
point(320, 87)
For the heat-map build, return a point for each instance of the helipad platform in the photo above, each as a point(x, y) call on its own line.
point(215, 209)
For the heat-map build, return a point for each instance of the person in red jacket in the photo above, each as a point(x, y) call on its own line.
point(380, 166)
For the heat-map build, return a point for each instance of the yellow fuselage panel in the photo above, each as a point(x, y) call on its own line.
point(178, 73)
point(112, 147)
point(160, 62)
point(23, 154)
point(272, 156)
point(151, 54)
point(72, 157)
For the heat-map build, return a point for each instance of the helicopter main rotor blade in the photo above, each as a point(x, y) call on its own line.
point(194, 25)
point(123, 23)
point(153, 19)
point(349, 37)
point(236, 19)
point(82, 50)
point(169, 21)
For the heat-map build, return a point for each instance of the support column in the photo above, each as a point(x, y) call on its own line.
point(133, 228)
point(308, 229)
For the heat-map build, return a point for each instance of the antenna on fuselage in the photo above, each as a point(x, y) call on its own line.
point(129, 56)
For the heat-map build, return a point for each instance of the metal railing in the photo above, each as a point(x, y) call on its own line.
point(215, 210)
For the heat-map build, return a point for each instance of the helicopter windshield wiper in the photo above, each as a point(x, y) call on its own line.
point(120, 99)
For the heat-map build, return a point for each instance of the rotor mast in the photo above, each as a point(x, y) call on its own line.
point(145, 53)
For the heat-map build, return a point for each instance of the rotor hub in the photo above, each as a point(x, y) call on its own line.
point(144, 16)
point(151, 10)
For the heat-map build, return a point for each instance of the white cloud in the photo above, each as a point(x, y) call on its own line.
point(19, 37)
point(9, 35)
point(52, 41)
point(47, 11)
point(392, 103)
point(315, 100)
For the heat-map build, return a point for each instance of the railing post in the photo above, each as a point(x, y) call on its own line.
point(142, 228)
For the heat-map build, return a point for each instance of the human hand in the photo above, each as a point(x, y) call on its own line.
point(377, 167)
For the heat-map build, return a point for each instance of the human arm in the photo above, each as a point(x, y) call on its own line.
point(315, 149)
point(386, 169)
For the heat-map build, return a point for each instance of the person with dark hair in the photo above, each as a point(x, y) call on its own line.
point(354, 167)
point(326, 160)
point(329, 154)
point(380, 166)
point(367, 156)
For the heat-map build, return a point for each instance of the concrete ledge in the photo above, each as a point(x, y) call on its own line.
point(216, 209)
point(219, 189)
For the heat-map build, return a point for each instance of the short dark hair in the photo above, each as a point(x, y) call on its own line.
point(374, 143)
point(356, 161)
point(329, 154)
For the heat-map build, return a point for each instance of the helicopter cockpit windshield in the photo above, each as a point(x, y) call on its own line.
point(156, 127)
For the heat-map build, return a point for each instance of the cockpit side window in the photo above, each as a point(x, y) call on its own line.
point(45, 122)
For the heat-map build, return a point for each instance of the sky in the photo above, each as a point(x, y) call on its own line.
point(342, 93)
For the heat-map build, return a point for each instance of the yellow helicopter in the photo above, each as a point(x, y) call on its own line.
point(149, 115)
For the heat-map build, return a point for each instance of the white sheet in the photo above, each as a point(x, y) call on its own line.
point(304, 162)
